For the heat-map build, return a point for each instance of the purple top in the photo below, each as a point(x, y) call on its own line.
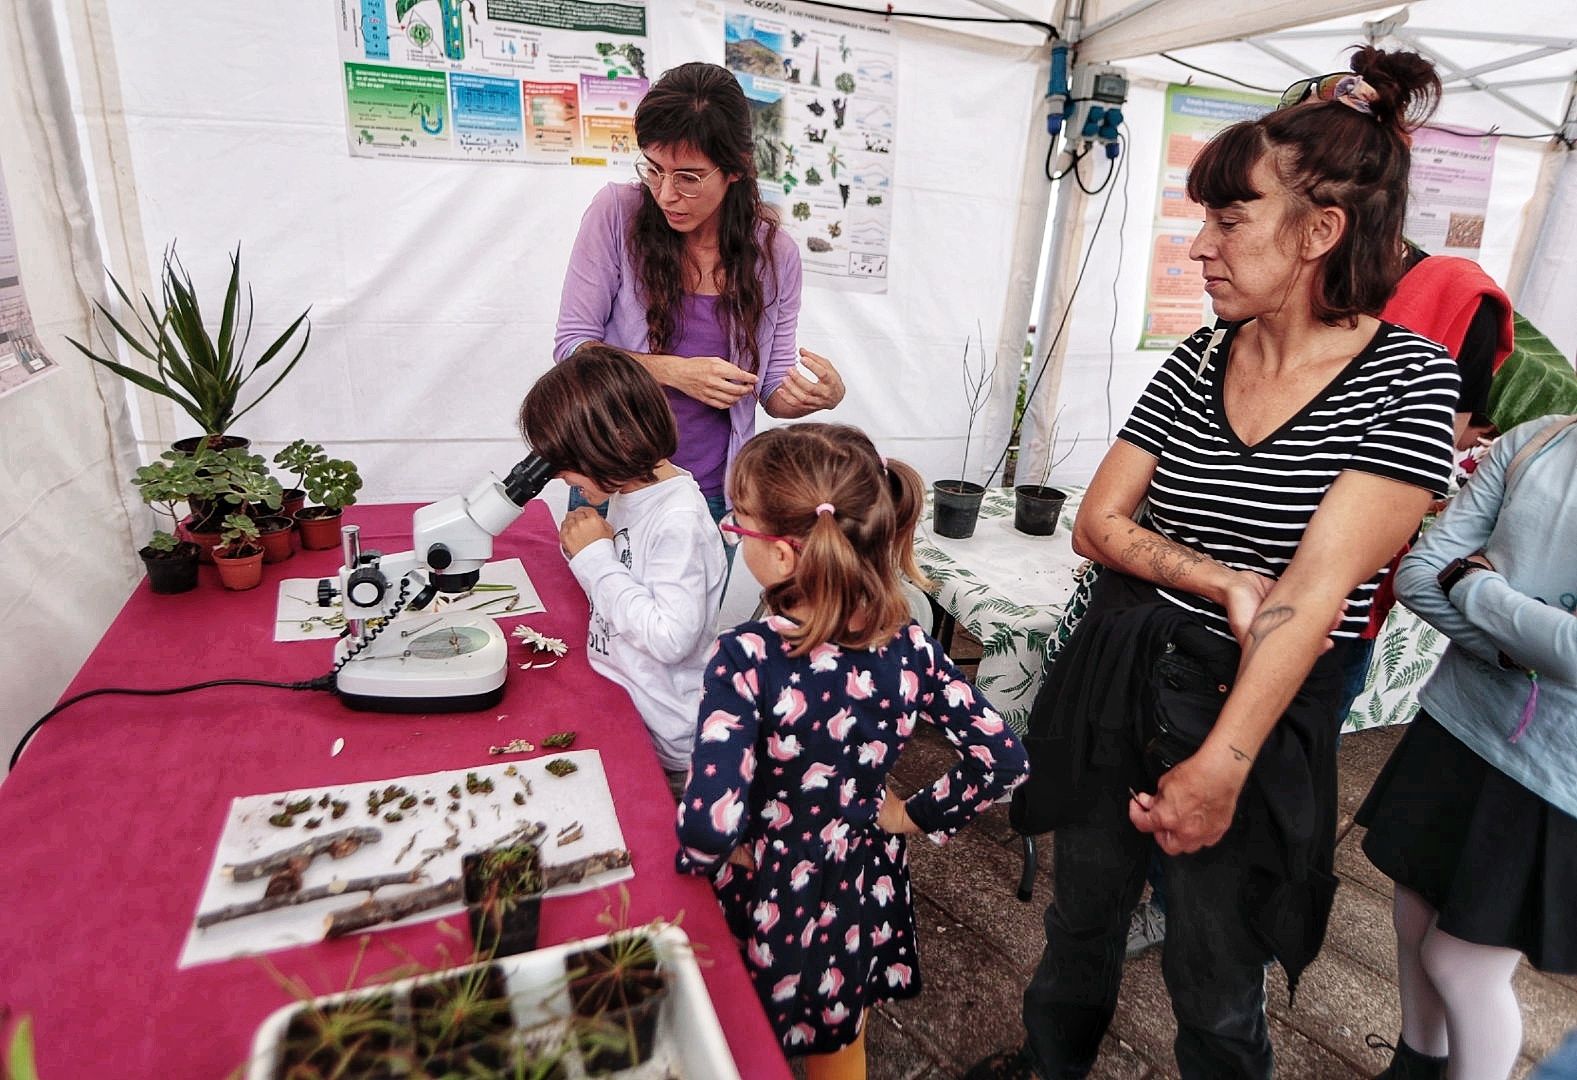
point(601, 302)
point(703, 430)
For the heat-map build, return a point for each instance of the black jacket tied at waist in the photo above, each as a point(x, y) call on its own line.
point(1138, 663)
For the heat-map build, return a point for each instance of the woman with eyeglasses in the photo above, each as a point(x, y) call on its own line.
point(687, 270)
point(1284, 456)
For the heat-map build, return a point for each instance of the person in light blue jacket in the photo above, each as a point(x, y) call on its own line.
point(1475, 816)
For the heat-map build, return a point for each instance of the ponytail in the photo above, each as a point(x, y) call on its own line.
point(825, 484)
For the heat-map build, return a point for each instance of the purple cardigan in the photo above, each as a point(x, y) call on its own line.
point(601, 300)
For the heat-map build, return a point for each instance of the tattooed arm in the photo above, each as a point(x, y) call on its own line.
point(1360, 524)
point(1106, 531)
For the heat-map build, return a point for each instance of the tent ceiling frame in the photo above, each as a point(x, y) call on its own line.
point(1451, 72)
point(1462, 35)
point(1512, 61)
point(1116, 17)
point(1291, 61)
point(1512, 84)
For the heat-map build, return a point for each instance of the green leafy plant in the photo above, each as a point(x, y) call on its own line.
point(202, 374)
point(298, 458)
point(165, 484)
point(332, 483)
point(237, 537)
point(1536, 380)
point(240, 480)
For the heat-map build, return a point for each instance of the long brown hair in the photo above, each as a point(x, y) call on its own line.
point(601, 414)
point(1327, 153)
point(702, 106)
point(850, 558)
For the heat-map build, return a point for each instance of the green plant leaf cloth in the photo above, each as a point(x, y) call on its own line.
point(1536, 380)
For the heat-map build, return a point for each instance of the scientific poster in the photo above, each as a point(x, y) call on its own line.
point(1175, 303)
point(22, 357)
point(1448, 191)
point(824, 103)
point(553, 81)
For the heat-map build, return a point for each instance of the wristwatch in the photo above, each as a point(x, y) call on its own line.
point(1455, 571)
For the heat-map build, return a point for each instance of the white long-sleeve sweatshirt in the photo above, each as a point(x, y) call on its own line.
point(655, 590)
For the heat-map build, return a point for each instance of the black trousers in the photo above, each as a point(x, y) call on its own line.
point(1213, 966)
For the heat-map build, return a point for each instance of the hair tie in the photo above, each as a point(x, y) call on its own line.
point(825, 508)
point(1352, 91)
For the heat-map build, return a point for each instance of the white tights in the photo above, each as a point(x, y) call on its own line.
point(1456, 996)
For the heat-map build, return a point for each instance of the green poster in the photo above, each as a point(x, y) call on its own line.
point(396, 108)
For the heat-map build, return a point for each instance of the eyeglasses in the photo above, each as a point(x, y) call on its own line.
point(734, 533)
point(1316, 86)
point(686, 183)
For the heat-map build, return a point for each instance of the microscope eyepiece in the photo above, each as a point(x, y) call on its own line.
point(527, 479)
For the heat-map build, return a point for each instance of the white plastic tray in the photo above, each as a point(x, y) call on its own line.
point(689, 1044)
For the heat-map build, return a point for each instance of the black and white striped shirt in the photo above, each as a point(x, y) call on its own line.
point(1389, 413)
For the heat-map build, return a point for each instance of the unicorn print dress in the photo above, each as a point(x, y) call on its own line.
point(790, 761)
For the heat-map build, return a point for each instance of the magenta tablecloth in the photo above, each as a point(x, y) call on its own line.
point(110, 819)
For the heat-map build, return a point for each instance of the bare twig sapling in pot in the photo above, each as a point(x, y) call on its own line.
point(957, 502)
point(1036, 507)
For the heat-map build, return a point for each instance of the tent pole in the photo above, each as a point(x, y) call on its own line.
point(1062, 253)
point(1544, 238)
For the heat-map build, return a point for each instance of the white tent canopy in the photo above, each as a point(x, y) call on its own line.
point(434, 286)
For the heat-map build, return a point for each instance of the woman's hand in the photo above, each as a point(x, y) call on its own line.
point(893, 817)
point(1193, 803)
point(1242, 597)
point(581, 527)
point(711, 380)
point(798, 396)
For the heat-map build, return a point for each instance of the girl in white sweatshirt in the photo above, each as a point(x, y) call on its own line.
point(654, 569)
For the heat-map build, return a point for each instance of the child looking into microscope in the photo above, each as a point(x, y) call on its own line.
point(654, 570)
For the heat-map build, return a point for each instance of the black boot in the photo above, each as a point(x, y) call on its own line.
point(1407, 1063)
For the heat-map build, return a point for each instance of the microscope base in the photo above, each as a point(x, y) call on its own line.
point(457, 664)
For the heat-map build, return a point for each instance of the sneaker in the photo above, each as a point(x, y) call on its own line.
point(1146, 928)
point(1003, 1065)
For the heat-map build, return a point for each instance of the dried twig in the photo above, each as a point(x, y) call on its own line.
point(372, 912)
point(571, 872)
point(303, 896)
point(336, 844)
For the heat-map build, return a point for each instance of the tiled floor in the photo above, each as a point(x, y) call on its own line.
point(979, 943)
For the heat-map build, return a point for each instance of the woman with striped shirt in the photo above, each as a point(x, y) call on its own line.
point(1284, 456)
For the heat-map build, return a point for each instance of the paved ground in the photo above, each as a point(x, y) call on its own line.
point(978, 944)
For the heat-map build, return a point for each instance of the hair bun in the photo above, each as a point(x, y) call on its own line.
point(1406, 85)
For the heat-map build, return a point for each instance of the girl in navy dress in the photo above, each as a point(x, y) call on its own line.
point(802, 716)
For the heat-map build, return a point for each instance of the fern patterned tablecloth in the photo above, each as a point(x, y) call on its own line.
point(1009, 591)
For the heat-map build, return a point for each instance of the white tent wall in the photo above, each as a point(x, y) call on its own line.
point(69, 520)
point(434, 286)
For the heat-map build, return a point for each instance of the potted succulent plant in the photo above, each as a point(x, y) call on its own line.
point(503, 897)
point(204, 375)
point(164, 485)
point(331, 484)
point(239, 554)
point(957, 502)
point(236, 482)
point(297, 458)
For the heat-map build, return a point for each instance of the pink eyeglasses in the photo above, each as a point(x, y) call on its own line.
point(734, 533)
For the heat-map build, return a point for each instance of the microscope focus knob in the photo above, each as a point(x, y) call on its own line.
point(326, 592)
point(365, 587)
point(438, 557)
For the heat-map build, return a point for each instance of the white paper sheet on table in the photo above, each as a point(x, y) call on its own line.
point(297, 616)
point(556, 801)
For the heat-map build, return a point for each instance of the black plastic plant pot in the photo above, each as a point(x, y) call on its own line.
point(502, 924)
point(215, 442)
point(619, 1039)
point(174, 571)
point(352, 1039)
point(463, 1023)
point(1036, 508)
point(957, 508)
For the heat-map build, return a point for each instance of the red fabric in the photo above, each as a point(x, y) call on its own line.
point(111, 817)
point(1438, 298)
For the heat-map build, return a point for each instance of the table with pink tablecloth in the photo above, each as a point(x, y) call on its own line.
point(110, 819)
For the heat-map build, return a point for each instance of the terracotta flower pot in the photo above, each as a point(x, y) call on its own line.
point(202, 532)
point(240, 571)
point(292, 500)
point(319, 527)
point(277, 537)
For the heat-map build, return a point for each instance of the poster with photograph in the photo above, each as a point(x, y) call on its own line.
point(1175, 303)
point(823, 95)
point(553, 81)
point(1448, 191)
point(22, 357)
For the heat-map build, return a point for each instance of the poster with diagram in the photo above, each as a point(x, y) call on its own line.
point(22, 357)
point(546, 81)
point(823, 96)
point(1448, 191)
